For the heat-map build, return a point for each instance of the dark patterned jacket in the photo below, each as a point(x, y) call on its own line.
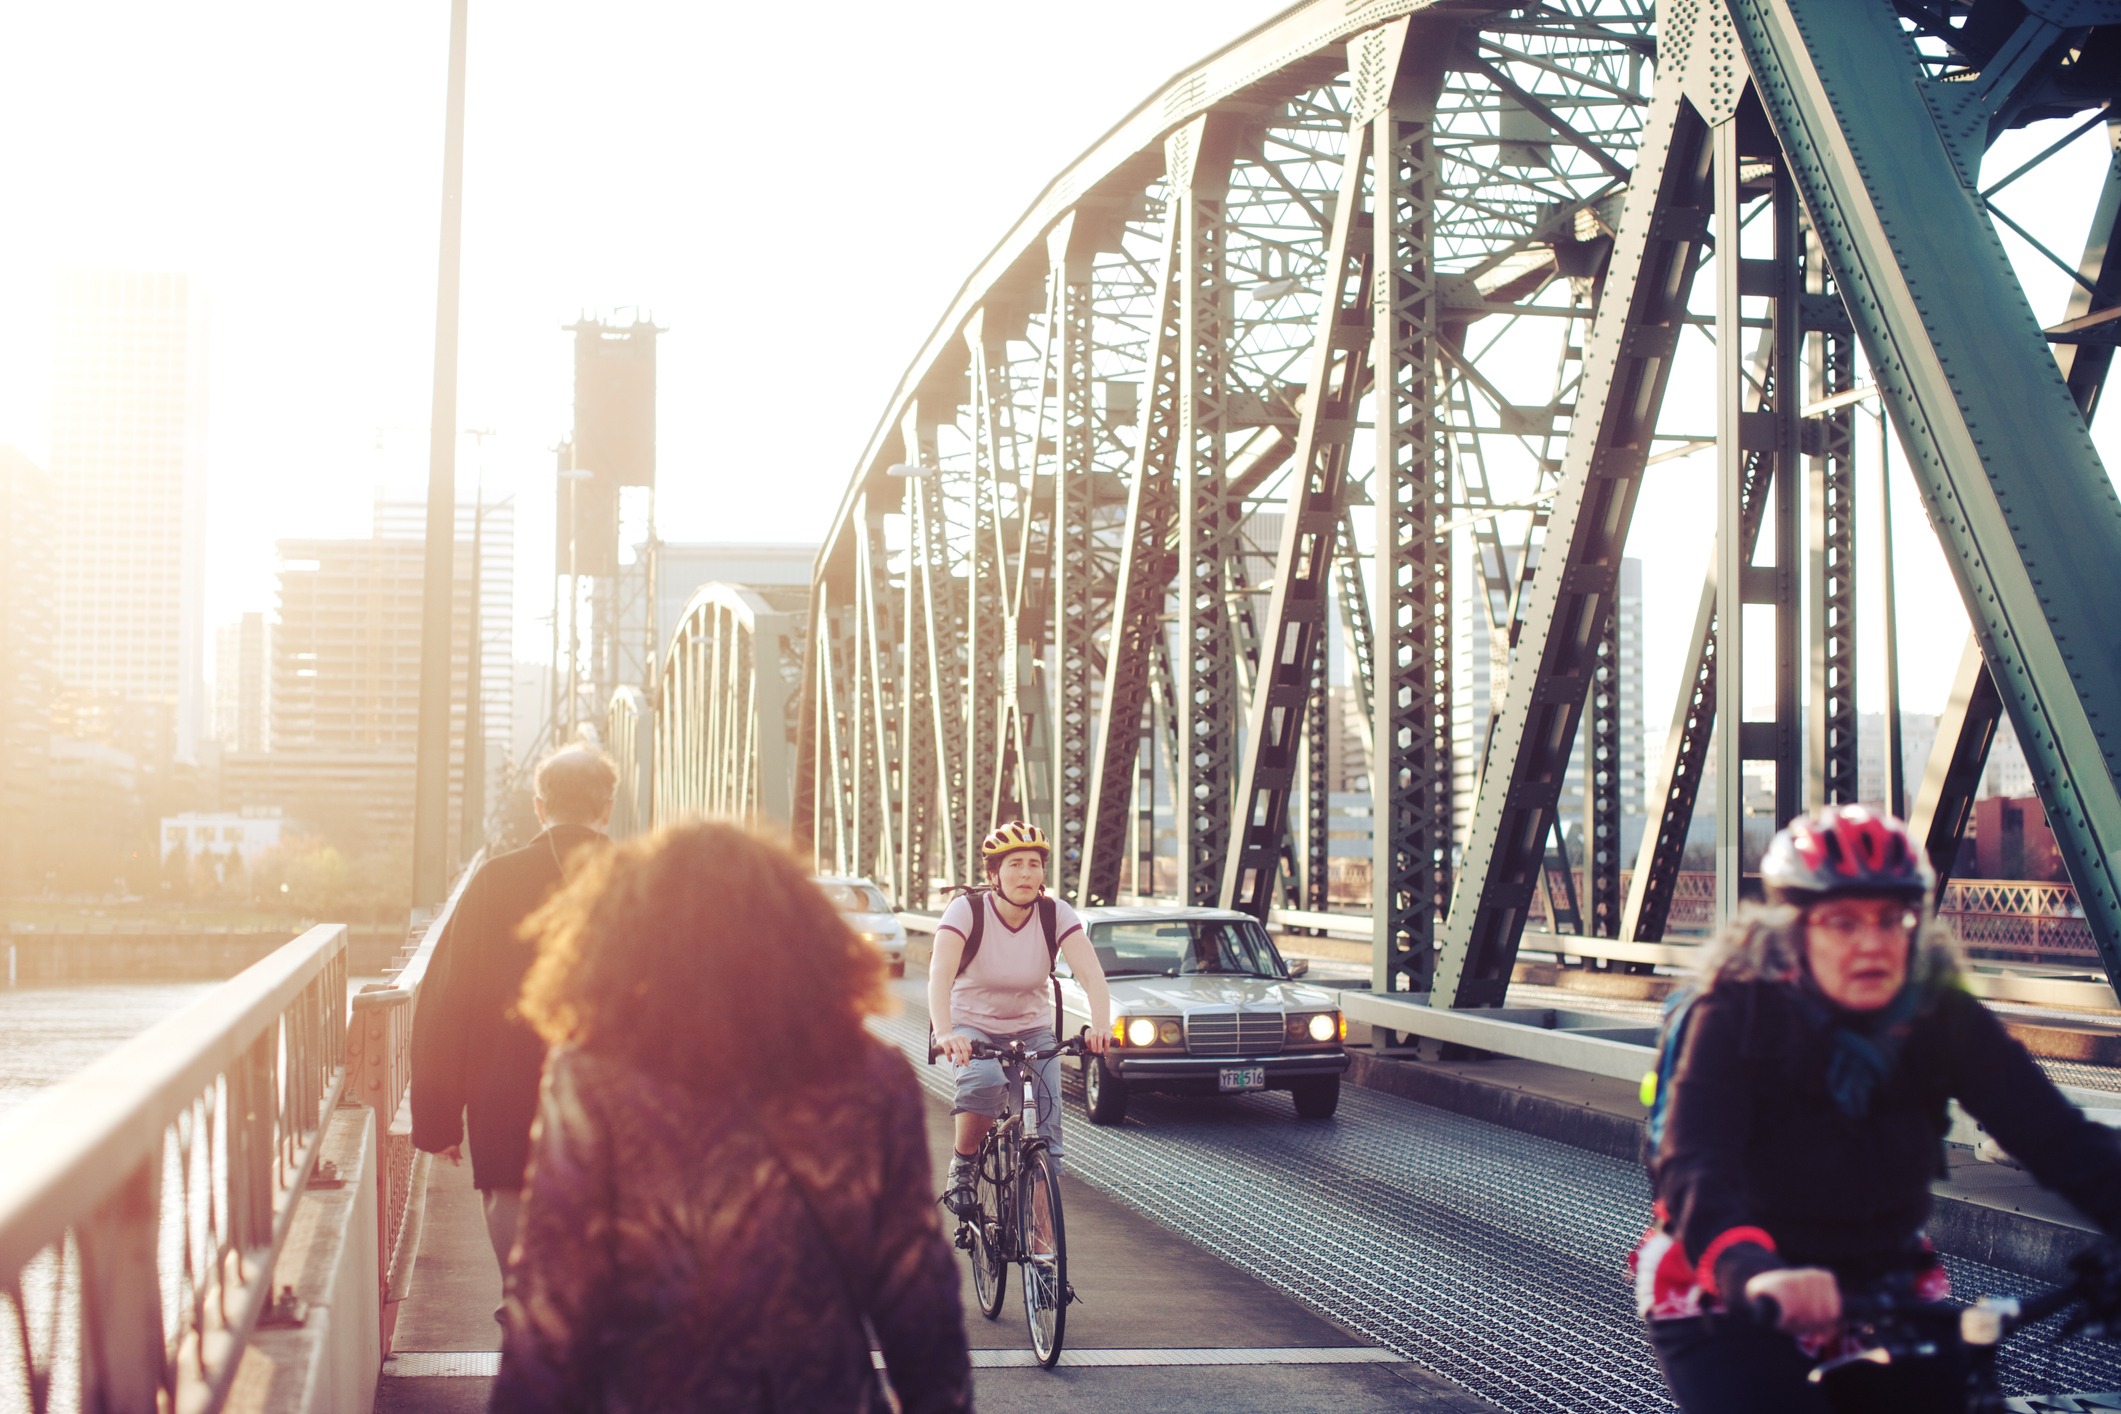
point(666, 1262)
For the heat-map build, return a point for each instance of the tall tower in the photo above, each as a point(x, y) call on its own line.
point(129, 455)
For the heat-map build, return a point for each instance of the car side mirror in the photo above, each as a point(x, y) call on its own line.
point(1299, 966)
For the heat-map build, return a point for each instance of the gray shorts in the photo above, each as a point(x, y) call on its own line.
point(982, 1089)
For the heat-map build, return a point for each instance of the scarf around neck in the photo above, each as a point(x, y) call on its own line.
point(1863, 1046)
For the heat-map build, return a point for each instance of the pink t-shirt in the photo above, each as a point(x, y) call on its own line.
point(1005, 989)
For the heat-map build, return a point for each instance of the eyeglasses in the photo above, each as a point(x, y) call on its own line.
point(1850, 925)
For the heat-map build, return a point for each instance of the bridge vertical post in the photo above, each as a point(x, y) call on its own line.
point(1410, 778)
point(916, 738)
point(1206, 689)
point(940, 637)
point(879, 849)
point(1830, 454)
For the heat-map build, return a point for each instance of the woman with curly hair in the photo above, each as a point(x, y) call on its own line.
point(1807, 1117)
point(729, 1183)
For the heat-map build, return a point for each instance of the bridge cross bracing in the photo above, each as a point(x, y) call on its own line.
point(1373, 312)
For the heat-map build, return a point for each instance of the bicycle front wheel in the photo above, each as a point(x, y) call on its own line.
point(1045, 1247)
point(990, 1270)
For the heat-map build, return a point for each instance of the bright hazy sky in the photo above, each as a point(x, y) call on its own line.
point(794, 198)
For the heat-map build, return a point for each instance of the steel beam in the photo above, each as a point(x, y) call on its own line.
point(1146, 562)
point(1073, 572)
point(1410, 710)
point(879, 779)
point(1967, 729)
point(1830, 505)
point(2028, 517)
point(1207, 701)
point(1339, 369)
point(1626, 364)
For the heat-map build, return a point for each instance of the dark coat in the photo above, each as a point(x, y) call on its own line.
point(470, 1052)
point(672, 1256)
point(1754, 1142)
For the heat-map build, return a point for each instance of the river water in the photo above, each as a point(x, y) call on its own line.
point(50, 1030)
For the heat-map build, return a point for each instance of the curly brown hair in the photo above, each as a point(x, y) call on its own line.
point(703, 953)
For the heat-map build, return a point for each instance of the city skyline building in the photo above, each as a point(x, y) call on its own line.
point(405, 519)
point(128, 457)
point(345, 690)
point(241, 684)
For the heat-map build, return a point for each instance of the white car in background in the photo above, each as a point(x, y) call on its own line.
point(869, 914)
point(1203, 1003)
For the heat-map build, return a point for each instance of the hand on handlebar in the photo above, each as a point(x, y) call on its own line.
point(1798, 1300)
point(954, 1048)
point(1095, 1041)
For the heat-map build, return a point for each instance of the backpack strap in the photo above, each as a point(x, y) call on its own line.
point(978, 899)
point(1049, 919)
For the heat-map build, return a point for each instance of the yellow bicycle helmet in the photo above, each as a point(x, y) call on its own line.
point(1010, 837)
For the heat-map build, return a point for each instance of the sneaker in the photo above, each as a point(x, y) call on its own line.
point(960, 1197)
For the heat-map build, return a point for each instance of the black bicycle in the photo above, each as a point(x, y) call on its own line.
point(1933, 1355)
point(1018, 1214)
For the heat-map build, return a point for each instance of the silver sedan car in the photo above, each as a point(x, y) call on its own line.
point(1203, 1003)
point(869, 914)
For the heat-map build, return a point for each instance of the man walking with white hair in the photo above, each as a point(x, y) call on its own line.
point(476, 1064)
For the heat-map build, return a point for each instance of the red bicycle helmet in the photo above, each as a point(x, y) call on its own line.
point(1844, 849)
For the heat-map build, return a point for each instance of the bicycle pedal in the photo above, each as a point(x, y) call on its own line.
point(1072, 1298)
point(963, 1240)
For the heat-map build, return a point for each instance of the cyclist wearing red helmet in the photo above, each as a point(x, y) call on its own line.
point(1806, 1115)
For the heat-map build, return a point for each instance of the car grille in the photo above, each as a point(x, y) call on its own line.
point(1234, 1033)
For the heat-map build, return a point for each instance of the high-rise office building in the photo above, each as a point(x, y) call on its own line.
point(128, 455)
point(240, 684)
point(495, 522)
point(28, 631)
point(345, 693)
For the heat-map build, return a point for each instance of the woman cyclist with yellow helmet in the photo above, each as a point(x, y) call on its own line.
point(990, 980)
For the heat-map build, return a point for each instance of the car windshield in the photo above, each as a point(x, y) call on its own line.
point(1186, 947)
point(856, 898)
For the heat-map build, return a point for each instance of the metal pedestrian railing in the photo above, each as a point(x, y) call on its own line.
point(379, 1058)
point(144, 1201)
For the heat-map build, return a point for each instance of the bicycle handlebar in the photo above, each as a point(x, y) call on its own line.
point(1015, 1050)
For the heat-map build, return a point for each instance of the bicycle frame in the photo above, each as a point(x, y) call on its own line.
point(1002, 1154)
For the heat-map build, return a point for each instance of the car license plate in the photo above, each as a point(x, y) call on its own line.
point(1243, 1077)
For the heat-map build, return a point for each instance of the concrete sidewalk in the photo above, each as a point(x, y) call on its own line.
point(1160, 1325)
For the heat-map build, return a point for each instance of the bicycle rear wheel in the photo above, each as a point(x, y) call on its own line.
point(1045, 1259)
point(990, 1270)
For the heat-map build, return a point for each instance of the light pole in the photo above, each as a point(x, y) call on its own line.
point(574, 476)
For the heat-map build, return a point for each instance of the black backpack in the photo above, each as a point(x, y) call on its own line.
point(1048, 919)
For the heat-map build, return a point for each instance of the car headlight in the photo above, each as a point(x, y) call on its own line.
point(1148, 1032)
point(1316, 1028)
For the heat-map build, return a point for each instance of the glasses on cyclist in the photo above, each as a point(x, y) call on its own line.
point(1849, 923)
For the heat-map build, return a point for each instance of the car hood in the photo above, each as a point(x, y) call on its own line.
point(1207, 992)
point(873, 922)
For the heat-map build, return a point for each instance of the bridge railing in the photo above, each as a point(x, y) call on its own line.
point(379, 1054)
point(143, 1201)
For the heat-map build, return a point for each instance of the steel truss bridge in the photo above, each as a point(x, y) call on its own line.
point(1384, 288)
